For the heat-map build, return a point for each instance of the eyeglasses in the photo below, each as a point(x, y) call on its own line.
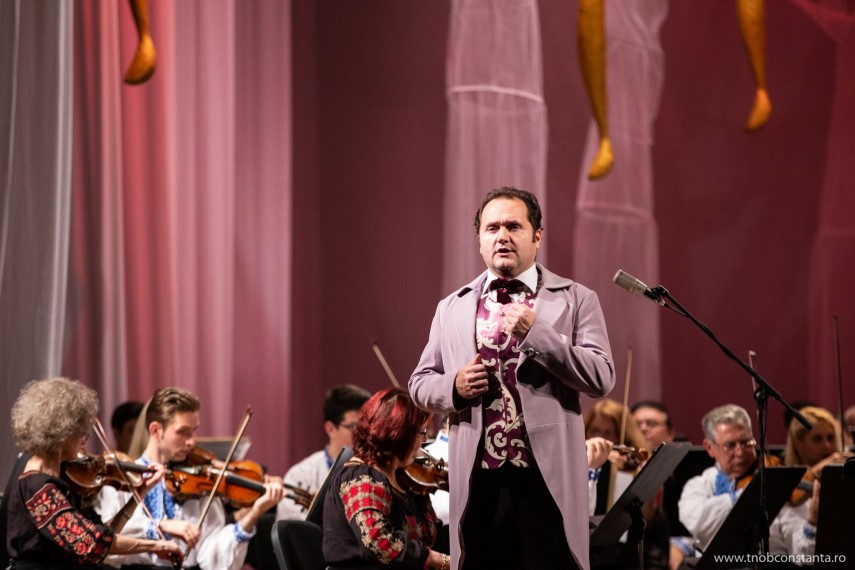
point(649, 423)
point(730, 446)
point(351, 426)
point(423, 433)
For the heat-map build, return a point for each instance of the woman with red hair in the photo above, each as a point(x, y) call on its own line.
point(370, 520)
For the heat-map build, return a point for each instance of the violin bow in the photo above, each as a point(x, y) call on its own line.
point(98, 428)
point(839, 384)
point(625, 395)
point(751, 356)
point(385, 364)
point(222, 472)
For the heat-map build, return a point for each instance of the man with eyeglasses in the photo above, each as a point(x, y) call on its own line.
point(342, 406)
point(707, 499)
point(654, 423)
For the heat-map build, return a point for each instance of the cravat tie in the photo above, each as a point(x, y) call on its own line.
point(505, 288)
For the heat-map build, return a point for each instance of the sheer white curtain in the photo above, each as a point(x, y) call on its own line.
point(615, 223)
point(171, 233)
point(497, 131)
point(35, 188)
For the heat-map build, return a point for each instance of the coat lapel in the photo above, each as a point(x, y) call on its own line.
point(464, 317)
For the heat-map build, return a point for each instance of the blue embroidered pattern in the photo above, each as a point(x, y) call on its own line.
point(160, 504)
point(724, 486)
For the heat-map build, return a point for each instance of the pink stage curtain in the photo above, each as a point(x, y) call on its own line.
point(497, 120)
point(834, 246)
point(615, 223)
point(35, 190)
point(181, 263)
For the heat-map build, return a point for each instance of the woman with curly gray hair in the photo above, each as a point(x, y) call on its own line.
point(47, 525)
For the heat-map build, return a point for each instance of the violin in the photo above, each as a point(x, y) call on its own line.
point(804, 490)
point(87, 474)
point(743, 480)
point(241, 484)
point(634, 457)
point(424, 475)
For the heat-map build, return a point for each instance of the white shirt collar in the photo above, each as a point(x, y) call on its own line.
point(528, 278)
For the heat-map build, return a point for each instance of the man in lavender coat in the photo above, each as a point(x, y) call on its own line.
point(510, 353)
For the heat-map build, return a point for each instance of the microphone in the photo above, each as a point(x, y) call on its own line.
point(637, 287)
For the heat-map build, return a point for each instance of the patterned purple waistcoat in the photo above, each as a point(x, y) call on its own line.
point(504, 438)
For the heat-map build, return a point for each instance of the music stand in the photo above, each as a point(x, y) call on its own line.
point(836, 516)
point(738, 534)
point(627, 509)
point(220, 446)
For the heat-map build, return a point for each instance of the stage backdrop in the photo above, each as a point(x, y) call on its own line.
point(273, 200)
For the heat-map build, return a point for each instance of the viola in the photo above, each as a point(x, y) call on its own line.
point(242, 482)
point(87, 474)
point(424, 475)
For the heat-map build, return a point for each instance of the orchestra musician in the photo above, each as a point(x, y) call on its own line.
point(604, 419)
point(47, 524)
point(849, 425)
point(654, 422)
point(707, 499)
point(598, 450)
point(371, 518)
point(510, 353)
point(794, 529)
point(341, 414)
point(438, 449)
point(172, 418)
point(123, 421)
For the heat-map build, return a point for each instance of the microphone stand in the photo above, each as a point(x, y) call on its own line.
point(762, 392)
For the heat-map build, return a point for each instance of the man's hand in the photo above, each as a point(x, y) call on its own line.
point(598, 450)
point(185, 530)
point(152, 478)
point(471, 380)
point(273, 493)
point(517, 320)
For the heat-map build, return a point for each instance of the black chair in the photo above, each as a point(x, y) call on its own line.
point(260, 555)
point(316, 510)
point(298, 545)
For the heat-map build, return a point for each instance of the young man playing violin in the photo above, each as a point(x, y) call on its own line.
point(342, 406)
point(172, 419)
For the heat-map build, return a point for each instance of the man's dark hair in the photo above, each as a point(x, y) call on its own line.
point(655, 405)
point(125, 412)
point(342, 399)
point(532, 206)
point(167, 402)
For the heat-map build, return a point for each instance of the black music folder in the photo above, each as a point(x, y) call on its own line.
point(836, 516)
point(651, 477)
point(738, 534)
